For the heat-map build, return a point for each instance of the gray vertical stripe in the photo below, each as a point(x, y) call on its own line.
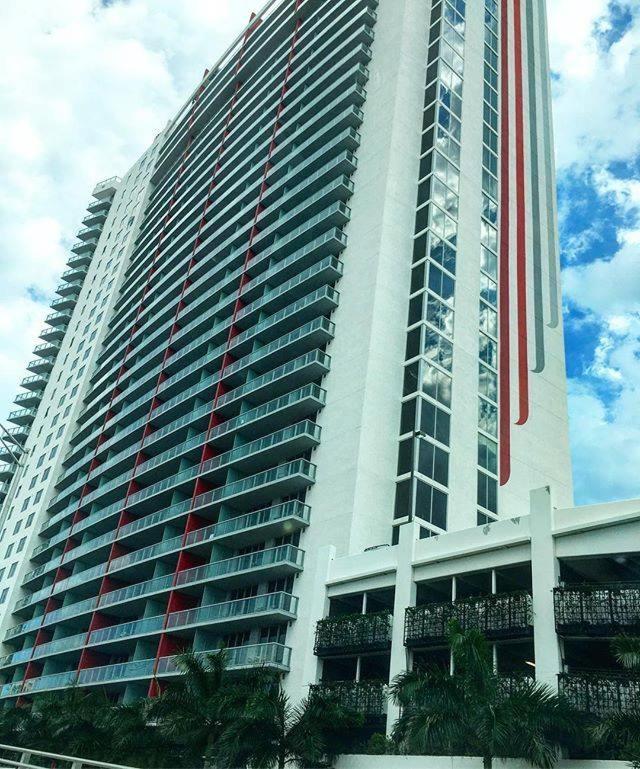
point(538, 295)
point(554, 286)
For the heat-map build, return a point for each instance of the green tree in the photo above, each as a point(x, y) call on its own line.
point(471, 712)
point(266, 730)
point(623, 727)
point(192, 711)
point(137, 741)
point(72, 723)
point(15, 726)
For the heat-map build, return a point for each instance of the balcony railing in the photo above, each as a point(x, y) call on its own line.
point(598, 610)
point(353, 633)
point(502, 616)
point(601, 692)
point(366, 697)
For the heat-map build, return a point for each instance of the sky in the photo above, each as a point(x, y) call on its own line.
point(88, 84)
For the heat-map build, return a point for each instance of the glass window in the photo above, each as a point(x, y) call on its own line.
point(488, 417)
point(435, 422)
point(403, 499)
point(487, 492)
point(431, 505)
point(488, 454)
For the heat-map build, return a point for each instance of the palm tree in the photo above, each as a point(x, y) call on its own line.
point(470, 712)
point(72, 723)
point(137, 741)
point(266, 730)
point(623, 727)
point(15, 726)
point(192, 711)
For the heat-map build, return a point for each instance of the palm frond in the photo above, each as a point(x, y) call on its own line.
point(627, 651)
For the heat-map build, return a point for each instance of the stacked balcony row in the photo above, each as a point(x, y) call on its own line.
point(52, 335)
point(178, 518)
point(585, 613)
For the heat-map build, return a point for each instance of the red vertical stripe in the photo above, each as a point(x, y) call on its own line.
point(521, 233)
point(505, 271)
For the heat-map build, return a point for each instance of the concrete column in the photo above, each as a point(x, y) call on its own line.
point(405, 595)
point(545, 572)
point(301, 637)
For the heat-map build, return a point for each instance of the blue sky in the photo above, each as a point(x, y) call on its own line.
point(92, 81)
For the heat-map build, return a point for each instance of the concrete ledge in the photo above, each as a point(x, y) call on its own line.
point(437, 762)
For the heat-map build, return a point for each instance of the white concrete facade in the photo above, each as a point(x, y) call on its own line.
point(24, 509)
point(415, 51)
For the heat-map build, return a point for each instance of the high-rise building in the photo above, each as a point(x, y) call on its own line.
point(322, 311)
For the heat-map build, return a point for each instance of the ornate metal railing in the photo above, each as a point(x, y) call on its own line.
point(601, 692)
point(512, 683)
point(505, 615)
point(353, 633)
point(366, 697)
point(600, 610)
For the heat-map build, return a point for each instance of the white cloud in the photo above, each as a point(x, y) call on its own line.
point(597, 91)
point(86, 89)
point(604, 403)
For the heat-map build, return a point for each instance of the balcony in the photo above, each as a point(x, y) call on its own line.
point(52, 334)
point(23, 417)
point(498, 617)
point(18, 435)
point(601, 692)
point(35, 383)
point(58, 318)
point(107, 188)
point(41, 366)
point(83, 249)
point(353, 634)
point(93, 206)
point(89, 233)
point(366, 697)
point(7, 470)
point(9, 454)
point(95, 219)
point(234, 572)
point(67, 302)
point(71, 288)
point(29, 399)
point(268, 655)
point(75, 274)
point(47, 350)
point(4, 490)
point(604, 610)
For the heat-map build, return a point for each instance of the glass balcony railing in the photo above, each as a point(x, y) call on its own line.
point(22, 416)
point(294, 509)
point(284, 472)
point(271, 655)
point(11, 689)
point(135, 591)
point(121, 671)
point(258, 304)
point(47, 683)
point(322, 295)
point(270, 603)
point(70, 643)
point(287, 555)
point(127, 630)
point(295, 512)
point(84, 247)
point(501, 616)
